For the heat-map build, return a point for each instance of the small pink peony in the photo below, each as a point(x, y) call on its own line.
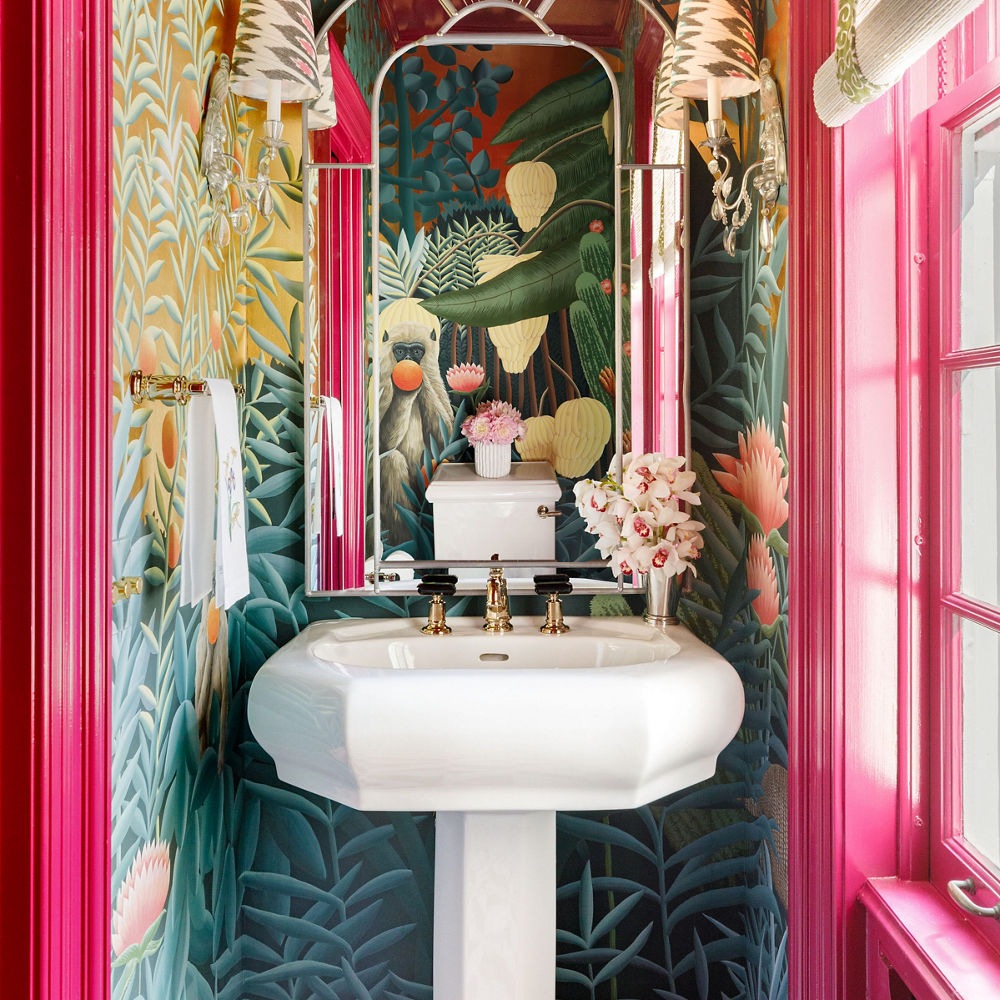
point(465, 377)
point(141, 897)
point(495, 422)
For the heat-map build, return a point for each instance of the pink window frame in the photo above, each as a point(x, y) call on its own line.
point(950, 856)
point(859, 686)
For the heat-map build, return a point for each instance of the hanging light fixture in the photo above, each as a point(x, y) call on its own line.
point(715, 59)
point(274, 60)
point(668, 107)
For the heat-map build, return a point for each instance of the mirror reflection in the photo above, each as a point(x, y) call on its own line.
point(498, 374)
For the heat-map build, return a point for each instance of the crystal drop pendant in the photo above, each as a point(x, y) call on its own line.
point(220, 231)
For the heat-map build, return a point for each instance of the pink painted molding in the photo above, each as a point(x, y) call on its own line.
point(55, 403)
point(816, 911)
point(913, 934)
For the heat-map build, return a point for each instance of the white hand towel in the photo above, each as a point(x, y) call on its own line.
point(335, 432)
point(199, 502)
point(232, 576)
point(317, 467)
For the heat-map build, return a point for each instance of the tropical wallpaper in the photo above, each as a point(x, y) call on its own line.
point(496, 274)
point(226, 883)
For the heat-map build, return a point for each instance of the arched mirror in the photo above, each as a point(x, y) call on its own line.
point(514, 241)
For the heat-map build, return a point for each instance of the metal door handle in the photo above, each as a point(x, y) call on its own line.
point(959, 892)
point(543, 511)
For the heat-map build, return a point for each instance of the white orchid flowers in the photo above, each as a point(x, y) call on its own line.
point(641, 522)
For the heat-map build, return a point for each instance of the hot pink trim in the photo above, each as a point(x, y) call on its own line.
point(951, 857)
point(914, 933)
point(55, 68)
point(342, 315)
point(816, 834)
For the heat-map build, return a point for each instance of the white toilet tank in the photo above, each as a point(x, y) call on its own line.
point(476, 517)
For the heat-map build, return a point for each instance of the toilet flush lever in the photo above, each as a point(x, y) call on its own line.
point(543, 511)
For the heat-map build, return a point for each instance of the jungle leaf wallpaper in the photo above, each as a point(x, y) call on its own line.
point(229, 884)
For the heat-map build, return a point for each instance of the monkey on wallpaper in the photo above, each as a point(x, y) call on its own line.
point(412, 402)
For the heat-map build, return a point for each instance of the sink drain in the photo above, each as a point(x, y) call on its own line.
point(493, 657)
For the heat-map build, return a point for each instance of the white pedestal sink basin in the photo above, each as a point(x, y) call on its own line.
point(495, 733)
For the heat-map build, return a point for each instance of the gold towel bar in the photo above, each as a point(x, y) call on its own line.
point(146, 388)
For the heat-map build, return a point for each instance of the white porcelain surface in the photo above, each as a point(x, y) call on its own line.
point(610, 716)
point(475, 517)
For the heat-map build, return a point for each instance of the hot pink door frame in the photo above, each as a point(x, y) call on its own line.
point(55, 400)
point(843, 806)
point(859, 607)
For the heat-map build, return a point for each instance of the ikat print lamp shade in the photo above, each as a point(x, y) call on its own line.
point(274, 58)
point(322, 113)
point(716, 52)
point(668, 108)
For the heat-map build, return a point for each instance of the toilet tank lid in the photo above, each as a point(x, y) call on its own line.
point(528, 481)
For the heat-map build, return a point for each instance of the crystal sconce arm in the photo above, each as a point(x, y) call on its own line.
point(769, 173)
point(225, 173)
point(715, 57)
point(274, 60)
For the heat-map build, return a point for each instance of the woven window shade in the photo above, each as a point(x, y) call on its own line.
point(877, 41)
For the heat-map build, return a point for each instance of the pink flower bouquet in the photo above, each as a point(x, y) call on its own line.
point(640, 522)
point(494, 422)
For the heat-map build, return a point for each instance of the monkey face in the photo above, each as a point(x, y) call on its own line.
point(406, 349)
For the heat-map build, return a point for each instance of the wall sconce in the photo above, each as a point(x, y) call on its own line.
point(716, 58)
point(274, 60)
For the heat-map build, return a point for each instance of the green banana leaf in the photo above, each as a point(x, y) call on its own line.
point(542, 285)
point(569, 99)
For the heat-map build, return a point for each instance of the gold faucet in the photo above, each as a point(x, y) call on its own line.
point(497, 605)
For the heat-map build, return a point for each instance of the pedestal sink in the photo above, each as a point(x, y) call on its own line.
point(495, 733)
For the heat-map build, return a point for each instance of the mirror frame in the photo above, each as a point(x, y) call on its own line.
point(444, 35)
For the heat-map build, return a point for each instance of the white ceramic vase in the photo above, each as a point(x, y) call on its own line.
point(492, 460)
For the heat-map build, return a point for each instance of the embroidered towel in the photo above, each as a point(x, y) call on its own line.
point(232, 577)
point(199, 502)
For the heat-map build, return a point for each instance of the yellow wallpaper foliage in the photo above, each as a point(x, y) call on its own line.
point(181, 306)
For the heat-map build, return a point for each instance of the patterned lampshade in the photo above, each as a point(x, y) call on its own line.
point(322, 113)
point(715, 41)
point(668, 108)
point(274, 43)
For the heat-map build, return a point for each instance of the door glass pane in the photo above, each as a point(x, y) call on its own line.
point(980, 403)
point(980, 233)
point(980, 651)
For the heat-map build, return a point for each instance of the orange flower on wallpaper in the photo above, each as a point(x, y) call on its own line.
point(141, 897)
point(761, 577)
point(215, 329)
point(756, 477)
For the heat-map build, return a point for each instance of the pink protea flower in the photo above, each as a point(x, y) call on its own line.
point(465, 377)
point(141, 897)
point(761, 577)
point(756, 477)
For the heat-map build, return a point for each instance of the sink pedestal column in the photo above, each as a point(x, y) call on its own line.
point(495, 906)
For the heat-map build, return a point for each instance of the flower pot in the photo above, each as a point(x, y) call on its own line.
point(663, 595)
point(492, 460)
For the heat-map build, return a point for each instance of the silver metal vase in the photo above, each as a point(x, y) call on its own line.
point(663, 595)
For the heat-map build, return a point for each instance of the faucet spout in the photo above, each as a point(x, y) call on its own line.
point(497, 604)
